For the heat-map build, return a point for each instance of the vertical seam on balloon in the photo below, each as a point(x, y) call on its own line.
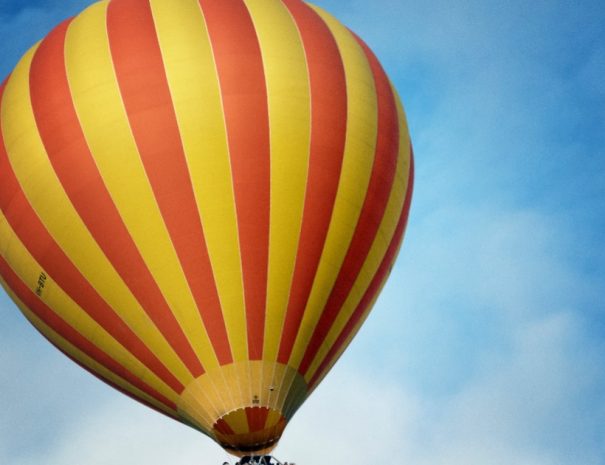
point(306, 184)
point(377, 196)
point(188, 408)
point(291, 280)
point(220, 94)
point(124, 116)
point(398, 192)
point(48, 52)
point(260, 342)
point(245, 198)
point(270, 143)
point(77, 116)
point(271, 376)
point(288, 401)
point(114, 71)
point(172, 354)
point(405, 144)
point(349, 153)
point(270, 146)
point(102, 310)
point(290, 383)
point(286, 351)
point(378, 280)
point(253, 235)
point(404, 181)
point(202, 322)
point(264, 333)
point(229, 153)
point(94, 161)
point(207, 299)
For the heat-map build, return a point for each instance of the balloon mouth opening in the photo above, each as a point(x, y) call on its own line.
point(255, 430)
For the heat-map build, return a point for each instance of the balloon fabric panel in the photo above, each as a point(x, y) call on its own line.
point(140, 74)
point(29, 229)
point(125, 176)
point(377, 195)
point(201, 200)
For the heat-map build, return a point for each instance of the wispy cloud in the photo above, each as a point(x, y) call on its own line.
point(518, 408)
point(487, 345)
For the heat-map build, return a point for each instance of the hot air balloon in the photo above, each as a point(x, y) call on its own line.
point(200, 202)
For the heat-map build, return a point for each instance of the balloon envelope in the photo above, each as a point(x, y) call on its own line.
point(201, 200)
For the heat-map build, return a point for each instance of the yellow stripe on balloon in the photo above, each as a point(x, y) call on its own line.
point(360, 146)
point(238, 421)
point(103, 118)
point(50, 202)
point(273, 419)
point(405, 143)
point(377, 251)
point(290, 122)
point(62, 344)
point(28, 270)
point(195, 90)
point(348, 340)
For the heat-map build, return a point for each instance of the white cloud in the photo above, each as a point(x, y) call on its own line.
point(481, 350)
point(521, 408)
point(118, 431)
point(526, 406)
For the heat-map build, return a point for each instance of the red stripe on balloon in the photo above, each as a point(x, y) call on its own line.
point(40, 244)
point(377, 198)
point(75, 167)
point(223, 427)
point(328, 133)
point(257, 418)
point(240, 70)
point(375, 285)
point(145, 91)
point(58, 325)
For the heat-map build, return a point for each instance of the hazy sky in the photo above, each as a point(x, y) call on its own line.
point(487, 346)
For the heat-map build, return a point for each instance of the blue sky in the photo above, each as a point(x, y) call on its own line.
point(487, 346)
